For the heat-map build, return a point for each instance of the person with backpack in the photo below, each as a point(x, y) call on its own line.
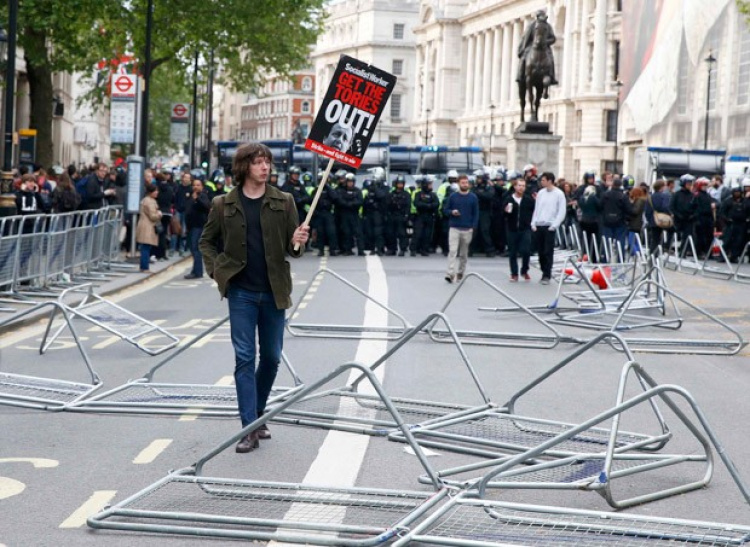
point(616, 211)
point(65, 199)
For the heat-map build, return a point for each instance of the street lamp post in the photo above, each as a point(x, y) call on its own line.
point(618, 85)
point(7, 199)
point(489, 155)
point(426, 126)
point(143, 142)
point(710, 60)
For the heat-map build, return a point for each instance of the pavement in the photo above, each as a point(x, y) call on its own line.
point(57, 468)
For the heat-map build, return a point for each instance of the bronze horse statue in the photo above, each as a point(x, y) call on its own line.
point(537, 74)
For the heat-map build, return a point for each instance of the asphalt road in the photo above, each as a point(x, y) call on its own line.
point(57, 468)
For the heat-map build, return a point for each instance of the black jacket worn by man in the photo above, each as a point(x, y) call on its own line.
point(616, 208)
point(519, 217)
point(683, 206)
point(94, 192)
point(196, 210)
point(300, 195)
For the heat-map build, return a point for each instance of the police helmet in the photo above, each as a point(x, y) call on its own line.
point(350, 177)
point(452, 175)
point(589, 175)
point(274, 173)
point(320, 175)
point(480, 175)
point(746, 182)
point(294, 170)
point(628, 182)
point(686, 179)
point(513, 175)
point(400, 179)
point(307, 178)
point(340, 174)
point(529, 167)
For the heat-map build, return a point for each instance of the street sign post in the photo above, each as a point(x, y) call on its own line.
point(179, 127)
point(122, 108)
point(134, 194)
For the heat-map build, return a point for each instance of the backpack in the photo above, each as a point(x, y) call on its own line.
point(69, 200)
point(81, 188)
point(612, 214)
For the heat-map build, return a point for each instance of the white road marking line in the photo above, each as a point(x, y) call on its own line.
point(107, 342)
point(308, 297)
point(152, 451)
point(341, 455)
point(10, 487)
point(295, 315)
point(98, 499)
point(313, 289)
point(192, 414)
point(302, 306)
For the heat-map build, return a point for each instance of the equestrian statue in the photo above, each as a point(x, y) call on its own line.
point(536, 71)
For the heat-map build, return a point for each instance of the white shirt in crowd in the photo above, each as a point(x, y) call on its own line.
point(549, 210)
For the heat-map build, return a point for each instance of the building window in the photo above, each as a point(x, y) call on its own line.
point(682, 132)
point(398, 31)
point(611, 167)
point(611, 125)
point(398, 67)
point(307, 83)
point(739, 126)
point(743, 72)
point(683, 87)
point(616, 60)
point(395, 106)
point(393, 139)
point(305, 107)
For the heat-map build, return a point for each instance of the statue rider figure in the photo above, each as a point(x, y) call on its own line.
point(528, 41)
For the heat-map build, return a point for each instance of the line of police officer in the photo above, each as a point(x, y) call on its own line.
point(395, 220)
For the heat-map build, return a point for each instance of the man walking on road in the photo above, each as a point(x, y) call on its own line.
point(518, 209)
point(258, 225)
point(462, 208)
point(549, 214)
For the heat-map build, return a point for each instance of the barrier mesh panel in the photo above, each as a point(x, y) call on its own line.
point(15, 386)
point(492, 524)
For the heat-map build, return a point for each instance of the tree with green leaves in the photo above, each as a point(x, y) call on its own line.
point(248, 40)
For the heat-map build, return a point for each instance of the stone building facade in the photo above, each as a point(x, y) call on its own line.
point(466, 70)
point(378, 32)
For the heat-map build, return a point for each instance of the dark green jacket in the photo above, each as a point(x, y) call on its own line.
point(226, 222)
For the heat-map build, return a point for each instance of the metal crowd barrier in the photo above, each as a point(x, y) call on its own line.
point(42, 392)
point(145, 396)
point(41, 254)
point(113, 318)
point(191, 503)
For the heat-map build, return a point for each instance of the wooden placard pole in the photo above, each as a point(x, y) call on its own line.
point(314, 204)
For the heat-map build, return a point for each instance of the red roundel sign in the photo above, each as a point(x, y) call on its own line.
point(179, 110)
point(123, 84)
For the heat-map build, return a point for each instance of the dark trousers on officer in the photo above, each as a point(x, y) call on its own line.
point(396, 238)
point(420, 241)
point(326, 229)
point(351, 230)
point(483, 236)
point(373, 228)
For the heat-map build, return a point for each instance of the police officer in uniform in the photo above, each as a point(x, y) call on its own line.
point(323, 220)
point(350, 200)
point(497, 227)
point(399, 208)
point(448, 186)
point(485, 193)
point(301, 197)
point(426, 204)
point(374, 211)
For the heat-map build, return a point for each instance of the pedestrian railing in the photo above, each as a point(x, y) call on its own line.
point(41, 254)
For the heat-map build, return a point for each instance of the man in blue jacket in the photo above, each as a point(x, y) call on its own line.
point(462, 210)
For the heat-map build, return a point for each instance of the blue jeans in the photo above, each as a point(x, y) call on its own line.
point(519, 243)
point(618, 233)
point(250, 311)
point(195, 237)
point(145, 255)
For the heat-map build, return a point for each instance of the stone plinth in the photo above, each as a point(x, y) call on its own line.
point(541, 148)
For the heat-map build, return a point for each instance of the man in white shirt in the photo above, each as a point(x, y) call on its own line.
point(549, 214)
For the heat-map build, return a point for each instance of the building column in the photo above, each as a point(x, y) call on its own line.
point(427, 86)
point(471, 44)
point(600, 46)
point(583, 50)
point(487, 70)
point(478, 71)
point(516, 26)
point(567, 60)
point(437, 104)
point(496, 67)
point(506, 80)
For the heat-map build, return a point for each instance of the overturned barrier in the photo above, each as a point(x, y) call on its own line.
point(188, 502)
point(46, 393)
point(111, 317)
point(145, 396)
point(328, 330)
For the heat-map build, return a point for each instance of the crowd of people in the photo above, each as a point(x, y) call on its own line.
point(391, 219)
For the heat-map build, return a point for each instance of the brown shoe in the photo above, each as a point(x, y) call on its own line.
point(459, 277)
point(263, 432)
point(248, 443)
